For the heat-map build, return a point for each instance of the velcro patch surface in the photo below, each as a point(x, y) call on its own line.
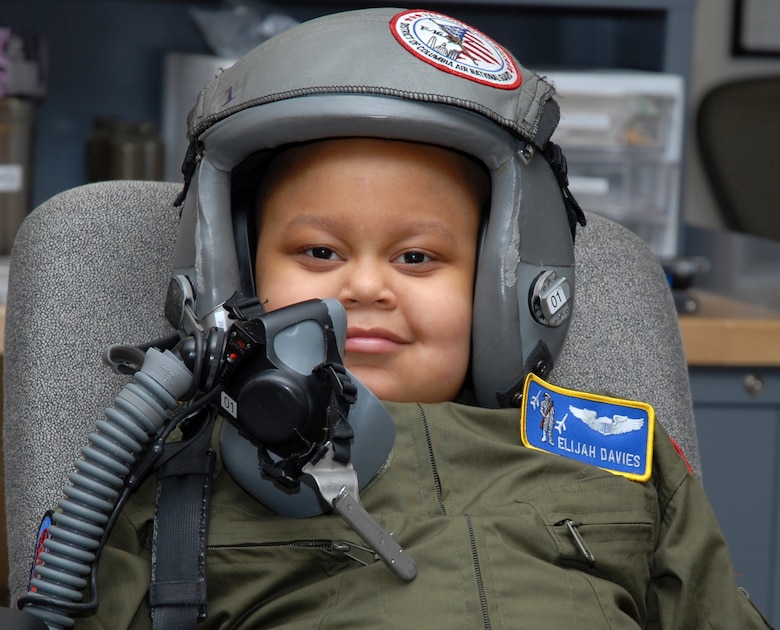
point(611, 433)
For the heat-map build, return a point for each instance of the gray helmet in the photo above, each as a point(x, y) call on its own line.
point(397, 74)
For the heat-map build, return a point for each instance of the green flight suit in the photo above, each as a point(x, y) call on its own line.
point(484, 518)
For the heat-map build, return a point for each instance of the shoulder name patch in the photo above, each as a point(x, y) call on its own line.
point(611, 433)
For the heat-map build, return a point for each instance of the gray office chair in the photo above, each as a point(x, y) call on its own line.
point(90, 268)
point(738, 136)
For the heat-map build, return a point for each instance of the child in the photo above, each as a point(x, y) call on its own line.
point(399, 162)
point(402, 264)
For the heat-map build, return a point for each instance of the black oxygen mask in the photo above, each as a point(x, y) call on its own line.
point(303, 436)
point(288, 398)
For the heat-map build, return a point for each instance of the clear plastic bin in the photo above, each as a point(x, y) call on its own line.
point(617, 111)
point(622, 135)
point(641, 194)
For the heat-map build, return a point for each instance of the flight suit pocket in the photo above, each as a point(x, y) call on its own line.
point(602, 544)
point(604, 528)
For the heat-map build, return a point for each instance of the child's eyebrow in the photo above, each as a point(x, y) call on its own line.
point(425, 227)
point(401, 227)
point(317, 221)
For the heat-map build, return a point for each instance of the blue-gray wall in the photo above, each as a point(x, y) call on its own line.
point(106, 57)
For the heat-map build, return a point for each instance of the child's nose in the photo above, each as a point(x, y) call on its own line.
point(367, 282)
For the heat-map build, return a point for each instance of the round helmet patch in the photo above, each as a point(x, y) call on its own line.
point(455, 47)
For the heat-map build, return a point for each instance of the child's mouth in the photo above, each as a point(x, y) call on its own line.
point(371, 341)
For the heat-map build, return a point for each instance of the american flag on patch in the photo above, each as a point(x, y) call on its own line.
point(472, 47)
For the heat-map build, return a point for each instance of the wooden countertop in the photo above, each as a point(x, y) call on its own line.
point(726, 332)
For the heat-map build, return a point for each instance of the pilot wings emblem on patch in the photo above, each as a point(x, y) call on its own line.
point(614, 425)
point(612, 433)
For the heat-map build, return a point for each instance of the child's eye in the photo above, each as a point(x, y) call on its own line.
point(413, 258)
point(323, 253)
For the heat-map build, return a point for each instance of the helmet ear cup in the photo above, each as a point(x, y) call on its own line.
point(245, 183)
point(524, 291)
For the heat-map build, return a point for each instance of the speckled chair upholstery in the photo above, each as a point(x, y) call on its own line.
point(90, 268)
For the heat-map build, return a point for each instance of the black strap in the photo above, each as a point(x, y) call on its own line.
point(343, 394)
point(557, 161)
point(177, 593)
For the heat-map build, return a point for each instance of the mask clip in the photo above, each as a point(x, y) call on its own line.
point(338, 485)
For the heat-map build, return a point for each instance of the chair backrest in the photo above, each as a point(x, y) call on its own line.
point(738, 135)
point(90, 268)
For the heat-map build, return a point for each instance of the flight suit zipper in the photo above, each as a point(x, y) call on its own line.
point(432, 459)
point(472, 538)
point(343, 547)
point(478, 575)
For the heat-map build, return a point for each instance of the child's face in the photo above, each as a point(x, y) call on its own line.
point(388, 228)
